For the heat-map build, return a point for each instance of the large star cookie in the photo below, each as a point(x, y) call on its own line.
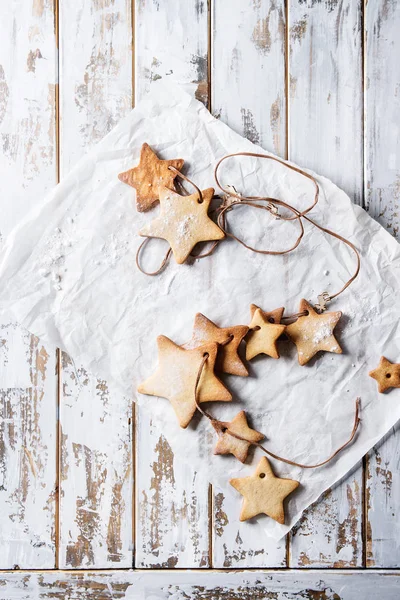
point(176, 375)
point(265, 329)
point(263, 492)
point(228, 360)
point(229, 444)
point(313, 332)
point(183, 222)
point(387, 375)
point(150, 176)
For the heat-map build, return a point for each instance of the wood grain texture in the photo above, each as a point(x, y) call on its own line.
point(241, 545)
point(330, 532)
point(172, 508)
point(27, 107)
point(27, 369)
point(382, 185)
point(382, 502)
point(325, 134)
point(248, 93)
point(171, 42)
point(172, 528)
point(326, 90)
point(201, 585)
point(382, 104)
point(28, 459)
point(248, 70)
point(95, 73)
point(96, 422)
point(96, 476)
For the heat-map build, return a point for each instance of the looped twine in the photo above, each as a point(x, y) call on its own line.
point(231, 198)
point(168, 253)
point(272, 207)
point(221, 428)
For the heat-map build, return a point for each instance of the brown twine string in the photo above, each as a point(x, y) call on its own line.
point(271, 206)
point(163, 263)
point(169, 251)
point(219, 426)
point(250, 201)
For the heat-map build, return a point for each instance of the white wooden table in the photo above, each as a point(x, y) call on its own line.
point(88, 488)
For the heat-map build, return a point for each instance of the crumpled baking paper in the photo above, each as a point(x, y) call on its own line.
point(68, 274)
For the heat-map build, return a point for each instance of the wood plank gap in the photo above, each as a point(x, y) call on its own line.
point(210, 9)
point(211, 507)
point(57, 87)
point(364, 100)
point(58, 351)
point(58, 461)
point(134, 480)
point(364, 505)
point(211, 525)
point(364, 500)
point(133, 53)
point(288, 539)
point(287, 80)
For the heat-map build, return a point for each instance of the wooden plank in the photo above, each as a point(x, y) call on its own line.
point(248, 46)
point(171, 42)
point(28, 460)
point(172, 506)
point(329, 533)
point(325, 134)
point(382, 103)
point(27, 369)
point(95, 73)
point(382, 189)
point(172, 499)
point(96, 422)
point(382, 502)
point(27, 107)
point(96, 475)
point(201, 585)
point(241, 545)
point(248, 70)
point(326, 99)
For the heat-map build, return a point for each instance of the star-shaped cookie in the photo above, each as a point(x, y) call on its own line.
point(387, 375)
point(229, 444)
point(176, 374)
point(313, 332)
point(263, 492)
point(183, 222)
point(150, 176)
point(265, 329)
point(228, 360)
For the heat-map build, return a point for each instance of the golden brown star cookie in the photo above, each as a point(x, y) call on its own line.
point(176, 374)
point(183, 222)
point(387, 375)
point(265, 329)
point(228, 360)
point(313, 332)
point(229, 444)
point(150, 176)
point(263, 492)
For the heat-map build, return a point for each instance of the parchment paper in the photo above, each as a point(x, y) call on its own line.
point(68, 274)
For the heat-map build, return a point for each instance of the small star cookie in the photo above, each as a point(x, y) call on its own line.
point(387, 375)
point(314, 332)
point(150, 176)
point(183, 222)
point(228, 360)
point(176, 374)
point(229, 444)
point(263, 492)
point(265, 329)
